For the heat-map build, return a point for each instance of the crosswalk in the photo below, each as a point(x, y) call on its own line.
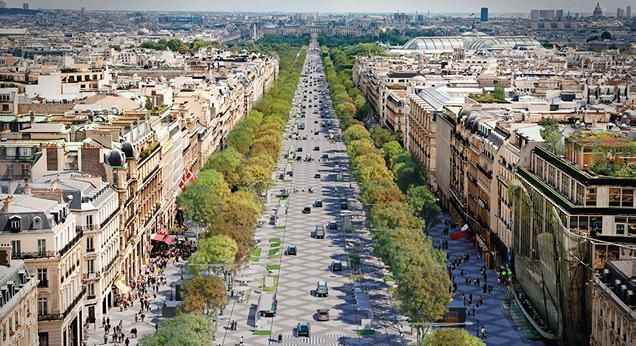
point(329, 339)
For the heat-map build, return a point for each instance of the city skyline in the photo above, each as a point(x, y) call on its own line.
point(347, 6)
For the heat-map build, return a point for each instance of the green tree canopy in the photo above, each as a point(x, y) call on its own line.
point(217, 249)
point(183, 330)
point(451, 337)
point(423, 203)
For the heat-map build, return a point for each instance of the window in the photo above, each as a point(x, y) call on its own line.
point(91, 266)
point(43, 277)
point(42, 247)
point(43, 338)
point(14, 223)
point(89, 221)
point(627, 198)
point(614, 197)
point(89, 244)
point(43, 306)
point(91, 290)
point(590, 197)
point(16, 250)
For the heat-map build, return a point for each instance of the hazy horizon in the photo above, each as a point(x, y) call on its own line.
point(331, 6)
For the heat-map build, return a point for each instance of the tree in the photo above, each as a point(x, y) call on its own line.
point(355, 132)
point(500, 93)
point(199, 199)
point(392, 151)
point(551, 135)
point(228, 163)
point(183, 330)
point(236, 217)
point(381, 136)
point(216, 250)
point(423, 203)
point(204, 294)
point(451, 337)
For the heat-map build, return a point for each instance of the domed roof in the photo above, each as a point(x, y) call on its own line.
point(128, 149)
point(116, 158)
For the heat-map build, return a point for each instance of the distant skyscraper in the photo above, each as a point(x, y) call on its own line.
point(25, 6)
point(484, 14)
point(559, 14)
point(620, 13)
point(597, 11)
point(628, 12)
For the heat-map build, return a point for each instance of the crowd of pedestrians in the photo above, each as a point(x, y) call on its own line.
point(142, 297)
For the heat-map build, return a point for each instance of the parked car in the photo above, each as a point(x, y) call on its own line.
point(303, 329)
point(318, 203)
point(322, 315)
point(306, 210)
point(291, 250)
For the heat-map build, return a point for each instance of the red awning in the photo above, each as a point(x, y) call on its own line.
point(164, 238)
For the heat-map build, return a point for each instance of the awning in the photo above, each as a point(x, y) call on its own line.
point(164, 238)
point(121, 286)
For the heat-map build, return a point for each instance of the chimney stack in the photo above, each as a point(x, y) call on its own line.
point(5, 255)
point(5, 204)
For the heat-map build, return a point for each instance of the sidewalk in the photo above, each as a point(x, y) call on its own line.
point(500, 329)
point(95, 332)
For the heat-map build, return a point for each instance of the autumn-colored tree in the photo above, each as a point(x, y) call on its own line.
point(200, 199)
point(228, 163)
point(204, 294)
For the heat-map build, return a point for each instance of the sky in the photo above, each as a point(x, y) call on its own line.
point(423, 6)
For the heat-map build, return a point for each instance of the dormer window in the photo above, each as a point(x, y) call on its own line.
point(14, 223)
point(37, 222)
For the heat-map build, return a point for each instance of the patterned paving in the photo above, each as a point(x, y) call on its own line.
point(299, 274)
point(492, 314)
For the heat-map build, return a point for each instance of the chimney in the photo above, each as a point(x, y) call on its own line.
point(5, 255)
point(5, 204)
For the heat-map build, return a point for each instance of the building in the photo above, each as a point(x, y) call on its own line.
point(468, 42)
point(598, 12)
point(613, 304)
point(628, 12)
point(484, 14)
point(572, 214)
point(18, 302)
point(95, 206)
point(43, 233)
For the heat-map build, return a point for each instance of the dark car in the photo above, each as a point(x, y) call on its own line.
point(336, 266)
point(291, 250)
point(332, 226)
point(325, 156)
point(318, 203)
point(344, 205)
point(316, 133)
point(306, 210)
point(322, 315)
point(317, 175)
point(316, 148)
point(303, 329)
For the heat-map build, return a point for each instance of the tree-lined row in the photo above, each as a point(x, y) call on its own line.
point(225, 201)
point(379, 163)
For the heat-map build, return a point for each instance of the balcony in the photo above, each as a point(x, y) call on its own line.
point(91, 276)
point(86, 228)
point(33, 255)
point(78, 235)
point(61, 316)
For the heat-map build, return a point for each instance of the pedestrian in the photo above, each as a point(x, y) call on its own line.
point(127, 342)
point(142, 316)
point(136, 317)
point(105, 339)
point(156, 326)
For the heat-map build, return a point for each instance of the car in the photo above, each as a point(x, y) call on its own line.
point(322, 315)
point(291, 250)
point(318, 203)
point(336, 266)
point(325, 156)
point(300, 149)
point(344, 205)
point(316, 133)
point(319, 232)
point(322, 290)
point(307, 210)
point(317, 175)
point(332, 226)
point(316, 148)
point(302, 329)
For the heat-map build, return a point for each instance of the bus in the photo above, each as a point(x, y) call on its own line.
point(267, 305)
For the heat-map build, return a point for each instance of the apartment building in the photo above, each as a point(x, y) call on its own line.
point(43, 233)
point(95, 206)
point(18, 301)
point(613, 304)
